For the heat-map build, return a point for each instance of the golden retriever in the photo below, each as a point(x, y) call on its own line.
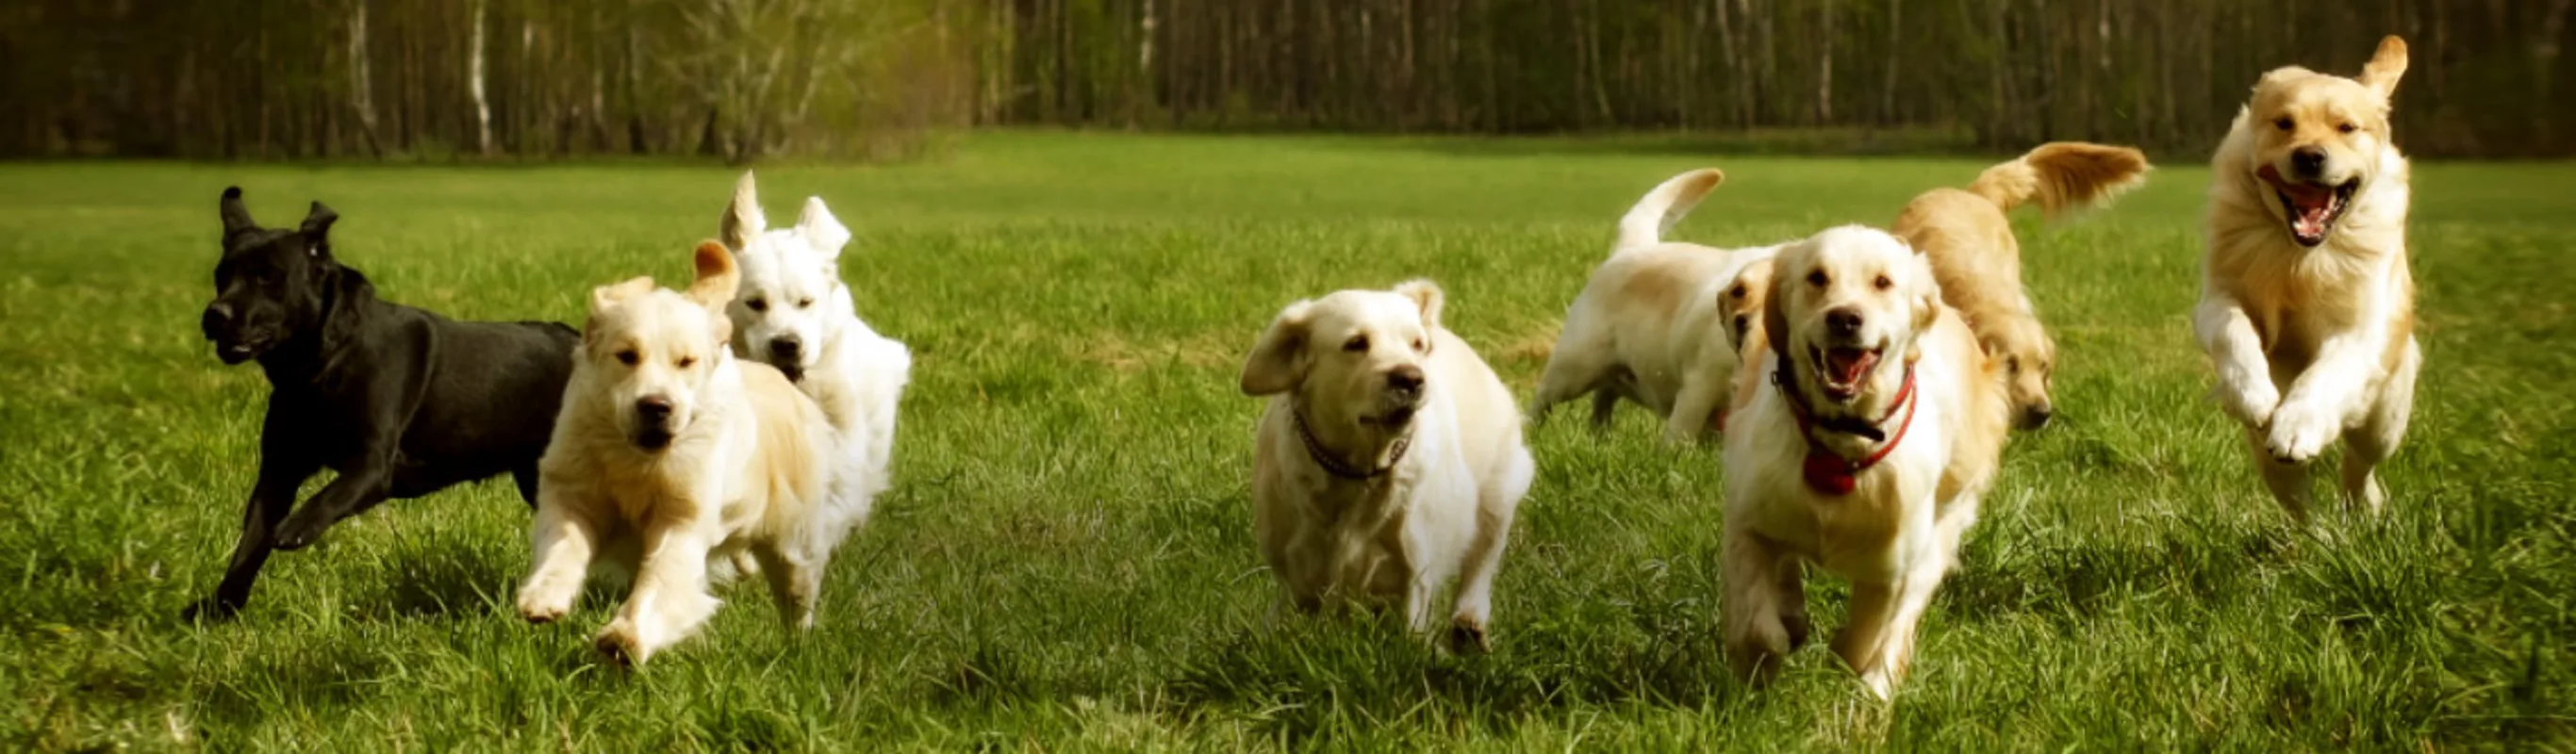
point(1389, 460)
point(2307, 309)
point(1864, 453)
point(669, 449)
point(1648, 326)
point(1978, 262)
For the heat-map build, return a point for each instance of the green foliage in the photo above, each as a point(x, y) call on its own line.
point(1065, 560)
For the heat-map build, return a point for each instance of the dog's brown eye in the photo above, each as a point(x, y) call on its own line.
point(1417, 344)
point(1737, 291)
point(626, 357)
point(2012, 364)
point(687, 361)
point(2283, 123)
point(1356, 344)
point(2347, 128)
point(757, 305)
point(1818, 279)
point(1883, 283)
point(804, 302)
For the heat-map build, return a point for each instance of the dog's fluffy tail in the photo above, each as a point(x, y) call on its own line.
point(2063, 175)
point(1655, 215)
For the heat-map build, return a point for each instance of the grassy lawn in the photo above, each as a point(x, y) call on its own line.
point(1066, 560)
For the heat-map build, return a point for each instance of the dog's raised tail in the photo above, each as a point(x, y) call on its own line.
point(1655, 215)
point(2063, 175)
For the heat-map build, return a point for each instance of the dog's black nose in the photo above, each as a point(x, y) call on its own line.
point(1842, 322)
point(2307, 162)
point(1406, 379)
point(2037, 416)
point(653, 409)
point(218, 318)
point(785, 349)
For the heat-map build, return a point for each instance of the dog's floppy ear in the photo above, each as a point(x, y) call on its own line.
point(742, 219)
point(1775, 314)
point(2385, 67)
point(821, 229)
point(317, 229)
point(606, 296)
point(1426, 295)
point(1278, 362)
point(717, 277)
point(236, 217)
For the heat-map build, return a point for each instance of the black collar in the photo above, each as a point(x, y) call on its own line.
point(1333, 463)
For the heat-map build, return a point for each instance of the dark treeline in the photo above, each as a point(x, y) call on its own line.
point(873, 78)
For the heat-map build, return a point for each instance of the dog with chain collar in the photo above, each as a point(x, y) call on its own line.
point(1389, 461)
point(1865, 454)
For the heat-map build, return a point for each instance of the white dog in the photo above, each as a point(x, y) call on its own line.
point(1649, 326)
point(669, 450)
point(794, 313)
point(1389, 460)
point(1865, 453)
point(2306, 305)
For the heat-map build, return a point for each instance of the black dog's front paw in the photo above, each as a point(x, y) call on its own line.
point(210, 609)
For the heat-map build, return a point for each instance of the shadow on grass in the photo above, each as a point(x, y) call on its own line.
point(1325, 678)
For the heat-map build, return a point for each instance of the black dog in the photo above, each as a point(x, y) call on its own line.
point(401, 402)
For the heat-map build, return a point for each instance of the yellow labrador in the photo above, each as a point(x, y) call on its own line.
point(1864, 452)
point(1978, 262)
point(1389, 460)
point(669, 449)
point(2307, 308)
point(1648, 327)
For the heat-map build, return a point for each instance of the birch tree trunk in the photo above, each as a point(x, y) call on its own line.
point(474, 82)
point(362, 88)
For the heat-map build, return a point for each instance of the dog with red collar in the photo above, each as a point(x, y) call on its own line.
point(1864, 454)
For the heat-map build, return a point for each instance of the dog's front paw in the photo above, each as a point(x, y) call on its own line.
point(540, 609)
point(1468, 635)
point(2299, 432)
point(2251, 402)
point(210, 609)
point(620, 643)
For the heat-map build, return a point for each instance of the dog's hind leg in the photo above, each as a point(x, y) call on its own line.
point(281, 471)
point(795, 583)
point(2372, 442)
point(2287, 481)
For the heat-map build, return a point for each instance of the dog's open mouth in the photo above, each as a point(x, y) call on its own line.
point(1842, 370)
point(2313, 208)
point(241, 350)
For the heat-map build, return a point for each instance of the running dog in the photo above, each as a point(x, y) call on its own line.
point(669, 451)
point(2306, 307)
point(1648, 326)
point(399, 401)
point(1389, 460)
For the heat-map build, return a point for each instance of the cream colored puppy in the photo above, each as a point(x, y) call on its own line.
point(1865, 453)
point(1976, 258)
point(2306, 307)
point(1648, 326)
point(668, 450)
point(1389, 461)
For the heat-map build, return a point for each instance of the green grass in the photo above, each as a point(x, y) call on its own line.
point(1065, 560)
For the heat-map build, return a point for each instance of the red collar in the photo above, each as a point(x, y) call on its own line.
point(1826, 471)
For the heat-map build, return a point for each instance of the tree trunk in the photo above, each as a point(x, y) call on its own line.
point(474, 82)
point(362, 88)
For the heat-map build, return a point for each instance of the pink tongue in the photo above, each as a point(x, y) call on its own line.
point(1850, 365)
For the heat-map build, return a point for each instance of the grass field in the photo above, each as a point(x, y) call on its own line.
point(1066, 561)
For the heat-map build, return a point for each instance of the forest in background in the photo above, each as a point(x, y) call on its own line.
point(885, 79)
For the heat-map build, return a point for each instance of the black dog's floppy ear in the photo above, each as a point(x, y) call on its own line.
point(1277, 363)
point(317, 230)
point(236, 217)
